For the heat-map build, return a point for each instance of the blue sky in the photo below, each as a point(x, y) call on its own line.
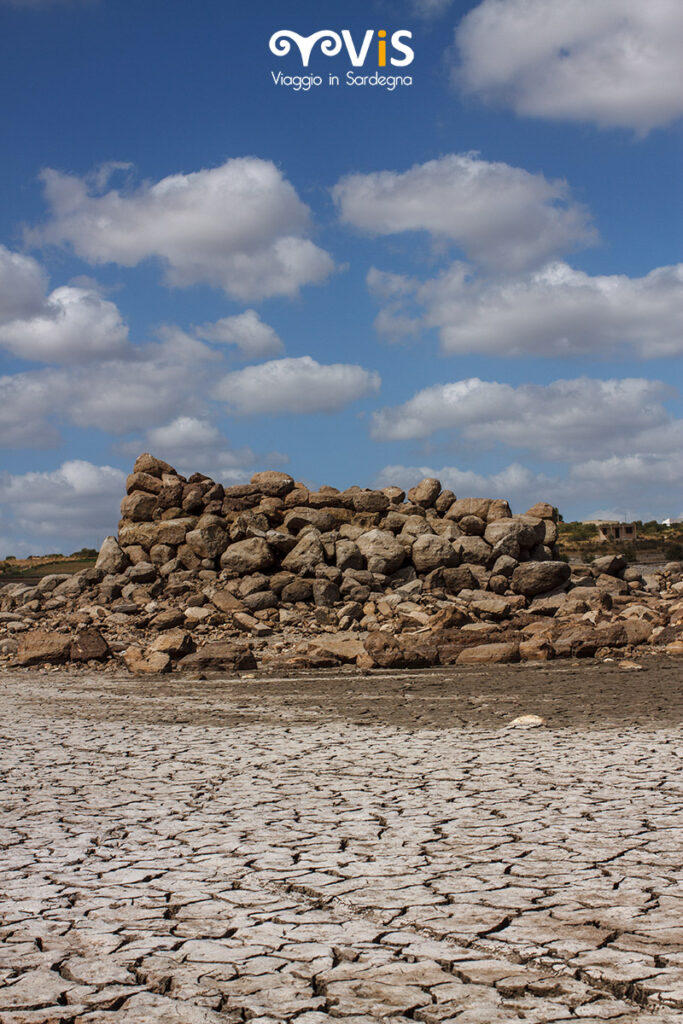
point(472, 275)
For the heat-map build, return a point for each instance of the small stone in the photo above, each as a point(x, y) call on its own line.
point(528, 721)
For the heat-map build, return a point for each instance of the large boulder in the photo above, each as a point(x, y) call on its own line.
point(40, 646)
point(246, 556)
point(147, 463)
point(473, 550)
point(306, 555)
point(526, 530)
point(111, 558)
point(272, 483)
point(430, 551)
point(426, 492)
point(347, 554)
point(370, 501)
point(88, 645)
point(220, 654)
point(469, 507)
point(138, 506)
point(143, 482)
point(382, 551)
point(531, 578)
point(320, 519)
point(208, 541)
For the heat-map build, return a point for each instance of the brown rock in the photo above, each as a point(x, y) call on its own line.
point(140, 662)
point(473, 550)
point(272, 483)
point(345, 648)
point(226, 602)
point(536, 649)
point(431, 552)
point(444, 502)
point(246, 556)
point(531, 578)
point(174, 642)
point(306, 555)
point(138, 506)
point(168, 619)
point(489, 654)
point(321, 519)
point(143, 482)
point(370, 501)
point(220, 655)
point(111, 558)
point(543, 510)
point(40, 646)
point(146, 463)
point(382, 551)
point(208, 541)
point(88, 645)
point(426, 492)
point(472, 526)
point(469, 507)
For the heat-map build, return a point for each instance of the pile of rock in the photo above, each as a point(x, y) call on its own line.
point(270, 572)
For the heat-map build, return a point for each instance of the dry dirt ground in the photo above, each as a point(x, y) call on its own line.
point(364, 846)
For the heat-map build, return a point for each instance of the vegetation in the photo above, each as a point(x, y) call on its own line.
point(654, 542)
point(12, 568)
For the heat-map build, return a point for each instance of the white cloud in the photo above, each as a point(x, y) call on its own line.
point(501, 216)
point(554, 311)
point(72, 324)
point(253, 338)
point(295, 386)
point(27, 402)
point(157, 382)
point(240, 227)
point(22, 286)
point(75, 325)
point(613, 63)
point(511, 482)
point(638, 487)
point(562, 420)
point(77, 501)
point(195, 445)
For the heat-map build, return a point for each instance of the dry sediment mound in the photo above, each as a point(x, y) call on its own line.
point(270, 573)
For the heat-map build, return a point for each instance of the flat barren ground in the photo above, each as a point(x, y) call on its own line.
point(381, 846)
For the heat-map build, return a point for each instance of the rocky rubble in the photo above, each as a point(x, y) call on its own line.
point(271, 574)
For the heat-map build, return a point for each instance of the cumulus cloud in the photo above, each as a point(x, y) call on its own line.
point(22, 286)
point(562, 420)
point(612, 64)
point(513, 481)
point(500, 216)
point(295, 386)
point(195, 445)
point(159, 381)
point(554, 311)
point(78, 501)
point(252, 337)
point(240, 227)
point(75, 324)
point(638, 487)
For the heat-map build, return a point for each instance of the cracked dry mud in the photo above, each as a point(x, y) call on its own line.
point(365, 847)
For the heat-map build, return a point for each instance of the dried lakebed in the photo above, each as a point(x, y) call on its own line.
point(363, 846)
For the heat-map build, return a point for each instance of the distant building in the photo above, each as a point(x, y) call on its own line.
point(611, 531)
point(672, 521)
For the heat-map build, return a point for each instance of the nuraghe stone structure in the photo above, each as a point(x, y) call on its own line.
point(272, 573)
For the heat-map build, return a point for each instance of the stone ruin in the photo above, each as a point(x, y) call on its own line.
point(272, 574)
